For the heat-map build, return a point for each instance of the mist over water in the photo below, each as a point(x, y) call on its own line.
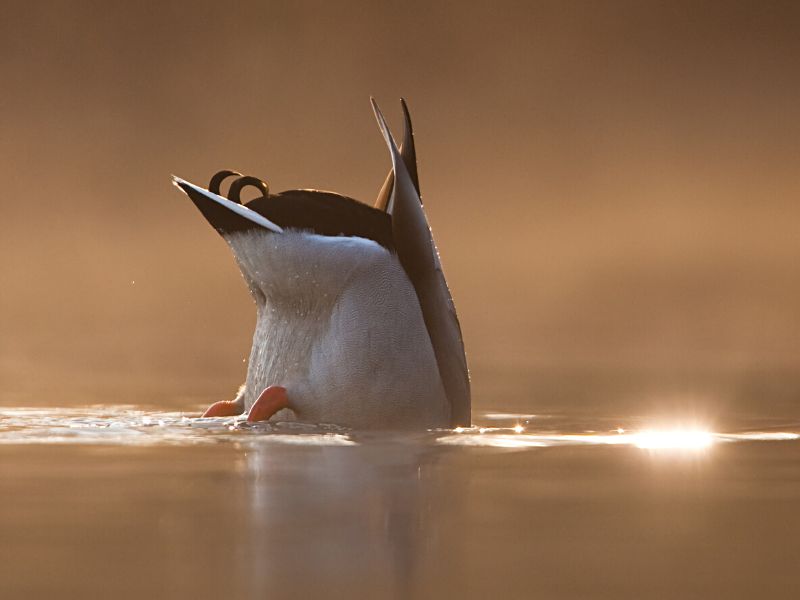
point(608, 185)
point(613, 189)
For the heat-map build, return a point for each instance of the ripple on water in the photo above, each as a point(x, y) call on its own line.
point(129, 426)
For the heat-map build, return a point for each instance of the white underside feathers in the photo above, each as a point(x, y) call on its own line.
point(339, 325)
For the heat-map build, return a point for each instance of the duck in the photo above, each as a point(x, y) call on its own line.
point(355, 325)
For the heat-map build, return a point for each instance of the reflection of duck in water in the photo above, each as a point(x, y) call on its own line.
point(363, 521)
point(356, 325)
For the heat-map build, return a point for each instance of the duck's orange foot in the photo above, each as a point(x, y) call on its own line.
point(269, 402)
point(224, 408)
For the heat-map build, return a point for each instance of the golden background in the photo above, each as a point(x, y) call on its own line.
point(612, 185)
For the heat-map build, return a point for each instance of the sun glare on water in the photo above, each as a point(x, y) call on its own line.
point(690, 438)
point(686, 439)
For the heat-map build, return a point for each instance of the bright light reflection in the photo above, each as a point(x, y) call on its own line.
point(499, 416)
point(674, 439)
point(666, 439)
point(761, 436)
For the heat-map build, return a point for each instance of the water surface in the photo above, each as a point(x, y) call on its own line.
point(117, 501)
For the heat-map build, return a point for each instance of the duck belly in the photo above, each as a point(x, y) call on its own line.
point(374, 366)
point(362, 360)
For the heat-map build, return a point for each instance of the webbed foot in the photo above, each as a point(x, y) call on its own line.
point(225, 408)
point(269, 402)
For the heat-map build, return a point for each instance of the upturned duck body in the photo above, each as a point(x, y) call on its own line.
point(355, 323)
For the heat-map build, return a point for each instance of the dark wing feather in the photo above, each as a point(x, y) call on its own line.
point(420, 259)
